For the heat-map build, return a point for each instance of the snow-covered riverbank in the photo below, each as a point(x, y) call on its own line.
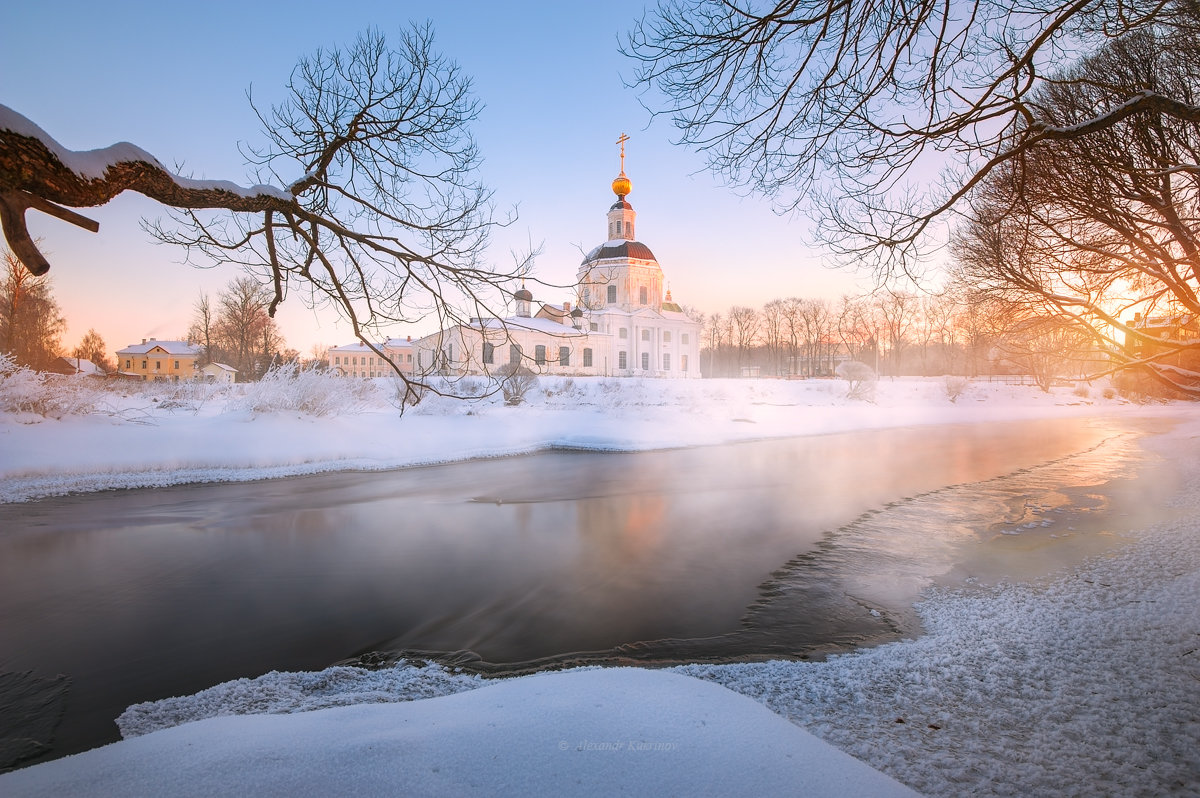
point(176, 434)
point(1080, 684)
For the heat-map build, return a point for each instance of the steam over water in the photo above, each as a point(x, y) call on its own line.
point(748, 551)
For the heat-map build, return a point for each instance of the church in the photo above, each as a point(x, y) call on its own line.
point(623, 323)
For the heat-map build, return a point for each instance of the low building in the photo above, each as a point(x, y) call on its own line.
point(76, 366)
point(359, 360)
point(1180, 327)
point(160, 361)
point(219, 373)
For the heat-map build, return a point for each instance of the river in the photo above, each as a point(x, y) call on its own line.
point(773, 548)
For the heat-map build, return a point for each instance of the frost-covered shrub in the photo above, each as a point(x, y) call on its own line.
point(1109, 392)
point(1082, 391)
point(515, 383)
point(955, 386)
point(860, 379)
point(23, 390)
point(287, 387)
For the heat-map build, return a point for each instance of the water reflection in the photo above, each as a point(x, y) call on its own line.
point(737, 551)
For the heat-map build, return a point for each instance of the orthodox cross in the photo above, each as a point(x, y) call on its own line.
point(622, 141)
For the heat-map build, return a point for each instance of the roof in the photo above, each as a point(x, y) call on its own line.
point(359, 346)
point(170, 347)
point(620, 249)
point(76, 365)
point(622, 204)
point(221, 366)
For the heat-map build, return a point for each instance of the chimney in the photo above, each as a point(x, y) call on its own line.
point(143, 340)
point(410, 339)
point(566, 307)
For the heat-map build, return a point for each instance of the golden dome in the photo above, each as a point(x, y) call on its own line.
point(622, 185)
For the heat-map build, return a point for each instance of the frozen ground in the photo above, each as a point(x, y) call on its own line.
point(1087, 683)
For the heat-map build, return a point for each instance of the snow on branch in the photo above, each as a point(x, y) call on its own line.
point(38, 172)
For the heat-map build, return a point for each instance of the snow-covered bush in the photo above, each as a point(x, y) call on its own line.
point(860, 379)
point(287, 387)
point(955, 386)
point(23, 390)
point(1082, 390)
point(515, 383)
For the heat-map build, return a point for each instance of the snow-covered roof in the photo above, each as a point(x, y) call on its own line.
point(82, 366)
point(220, 367)
point(170, 347)
point(360, 347)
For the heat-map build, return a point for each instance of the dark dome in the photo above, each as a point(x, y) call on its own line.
point(621, 204)
point(523, 294)
point(620, 249)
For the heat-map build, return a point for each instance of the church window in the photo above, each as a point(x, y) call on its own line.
point(622, 360)
point(667, 337)
point(514, 353)
point(612, 295)
point(645, 335)
point(622, 333)
point(645, 361)
point(489, 353)
point(683, 362)
point(539, 355)
point(587, 357)
point(684, 339)
point(564, 356)
point(587, 298)
point(629, 230)
point(594, 327)
point(642, 295)
point(666, 361)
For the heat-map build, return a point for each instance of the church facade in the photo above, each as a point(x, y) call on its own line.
point(624, 324)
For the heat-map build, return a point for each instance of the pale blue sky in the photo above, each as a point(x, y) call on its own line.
point(172, 78)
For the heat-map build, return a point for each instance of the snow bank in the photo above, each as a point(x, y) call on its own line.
point(160, 435)
point(595, 732)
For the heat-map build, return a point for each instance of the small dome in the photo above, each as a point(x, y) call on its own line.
point(577, 313)
point(622, 185)
point(523, 295)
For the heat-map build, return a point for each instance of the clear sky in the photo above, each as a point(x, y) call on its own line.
point(172, 78)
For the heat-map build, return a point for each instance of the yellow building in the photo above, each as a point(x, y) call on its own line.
point(159, 361)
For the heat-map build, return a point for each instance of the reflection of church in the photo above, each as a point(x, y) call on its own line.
point(624, 325)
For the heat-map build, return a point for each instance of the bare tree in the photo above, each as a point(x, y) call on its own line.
point(1103, 231)
point(787, 96)
point(200, 332)
point(31, 324)
point(774, 328)
point(745, 324)
point(816, 320)
point(241, 331)
point(93, 349)
point(368, 200)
